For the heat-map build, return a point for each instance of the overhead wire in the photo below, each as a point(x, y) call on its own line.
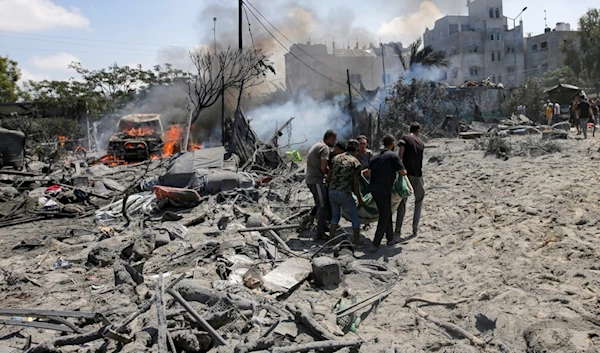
point(254, 47)
point(292, 54)
point(289, 40)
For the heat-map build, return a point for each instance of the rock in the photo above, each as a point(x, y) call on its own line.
point(122, 276)
point(254, 220)
point(101, 256)
point(485, 322)
point(327, 272)
point(436, 159)
point(191, 341)
point(144, 246)
point(162, 238)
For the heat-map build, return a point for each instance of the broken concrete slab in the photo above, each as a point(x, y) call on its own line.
point(287, 275)
point(327, 272)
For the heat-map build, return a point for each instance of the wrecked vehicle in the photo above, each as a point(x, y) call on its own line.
point(137, 137)
point(12, 148)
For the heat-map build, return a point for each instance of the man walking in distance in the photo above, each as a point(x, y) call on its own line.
point(384, 167)
point(317, 167)
point(549, 107)
point(584, 113)
point(343, 181)
point(411, 153)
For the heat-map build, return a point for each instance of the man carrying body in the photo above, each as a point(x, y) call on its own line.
point(364, 154)
point(316, 169)
point(411, 153)
point(384, 167)
point(343, 177)
point(584, 113)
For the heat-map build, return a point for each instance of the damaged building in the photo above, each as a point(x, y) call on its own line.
point(327, 71)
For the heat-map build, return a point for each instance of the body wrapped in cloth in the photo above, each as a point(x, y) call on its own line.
point(368, 213)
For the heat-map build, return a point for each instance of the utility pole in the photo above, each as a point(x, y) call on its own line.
point(215, 34)
point(515, 40)
point(350, 107)
point(240, 42)
point(223, 138)
point(383, 64)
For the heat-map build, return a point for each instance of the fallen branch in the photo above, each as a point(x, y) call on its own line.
point(451, 327)
point(434, 302)
point(205, 325)
point(303, 316)
point(316, 346)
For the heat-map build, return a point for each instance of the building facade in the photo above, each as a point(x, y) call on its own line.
point(543, 52)
point(316, 69)
point(480, 45)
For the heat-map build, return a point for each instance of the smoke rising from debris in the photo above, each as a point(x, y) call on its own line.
point(312, 119)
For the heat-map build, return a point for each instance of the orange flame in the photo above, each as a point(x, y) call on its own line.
point(195, 146)
point(174, 136)
point(142, 131)
point(62, 140)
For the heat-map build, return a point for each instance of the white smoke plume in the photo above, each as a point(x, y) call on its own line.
point(311, 119)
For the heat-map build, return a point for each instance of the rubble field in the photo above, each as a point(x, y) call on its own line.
point(506, 260)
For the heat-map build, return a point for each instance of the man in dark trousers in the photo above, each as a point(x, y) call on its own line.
point(317, 167)
point(585, 114)
point(384, 167)
point(411, 153)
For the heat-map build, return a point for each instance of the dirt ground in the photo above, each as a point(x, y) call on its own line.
point(512, 242)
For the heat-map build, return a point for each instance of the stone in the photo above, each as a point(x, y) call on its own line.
point(485, 322)
point(101, 256)
point(162, 238)
point(327, 272)
point(254, 220)
point(191, 341)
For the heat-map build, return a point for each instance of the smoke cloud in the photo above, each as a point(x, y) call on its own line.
point(311, 120)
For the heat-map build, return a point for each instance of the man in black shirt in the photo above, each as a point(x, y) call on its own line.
point(584, 112)
point(411, 153)
point(384, 167)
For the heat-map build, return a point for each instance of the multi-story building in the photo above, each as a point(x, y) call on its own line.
point(480, 45)
point(543, 51)
point(317, 69)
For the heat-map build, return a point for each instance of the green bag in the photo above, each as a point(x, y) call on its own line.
point(402, 188)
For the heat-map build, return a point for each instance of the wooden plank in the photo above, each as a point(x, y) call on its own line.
point(162, 317)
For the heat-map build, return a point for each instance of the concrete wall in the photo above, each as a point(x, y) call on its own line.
point(476, 31)
point(543, 52)
point(364, 66)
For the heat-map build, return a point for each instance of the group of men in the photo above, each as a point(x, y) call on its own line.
point(582, 112)
point(552, 111)
point(334, 169)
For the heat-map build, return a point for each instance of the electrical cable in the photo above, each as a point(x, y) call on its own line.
point(292, 54)
point(253, 47)
point(289, 40)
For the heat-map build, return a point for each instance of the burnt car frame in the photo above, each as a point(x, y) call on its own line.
point(12, 148)
point(137, 137)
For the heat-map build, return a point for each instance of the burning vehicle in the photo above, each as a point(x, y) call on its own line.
point(137, 137)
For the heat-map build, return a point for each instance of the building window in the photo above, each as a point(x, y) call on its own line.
point(355, 79)
point(544, 45)
point(497, 12)
point(510, 49)
point(493, 56)
point(534, 47)
point(492, 36)
point(465, 28)
point(453, 51)
point(473, 49)
point(452, 29)
point(498, 36)
point(474, 71)
point(498, 56)
point(454, 73)
point(499, 78)
point(491, 13)
point(444, 75)
point(494, 78)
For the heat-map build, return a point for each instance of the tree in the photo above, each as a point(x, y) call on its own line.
point(531, 93)
point(229, 69)
point(561, 75)
point(583, 50)
point(418, 100)
point(421, 58)
point(9, 76)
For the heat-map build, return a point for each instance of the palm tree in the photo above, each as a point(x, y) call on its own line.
point(426, 57)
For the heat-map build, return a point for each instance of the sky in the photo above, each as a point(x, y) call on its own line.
point(44, 36)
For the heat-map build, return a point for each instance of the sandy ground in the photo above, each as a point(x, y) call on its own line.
point(516, 239)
